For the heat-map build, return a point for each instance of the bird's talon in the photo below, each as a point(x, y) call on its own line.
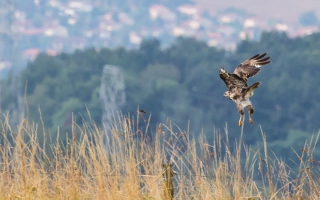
point(240, 122)
point(251, 121)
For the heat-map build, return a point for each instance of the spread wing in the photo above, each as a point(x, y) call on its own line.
point(232, 80)
point(251, 67)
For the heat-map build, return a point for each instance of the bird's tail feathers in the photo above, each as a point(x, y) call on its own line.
point(254, 86)
point(250, 90)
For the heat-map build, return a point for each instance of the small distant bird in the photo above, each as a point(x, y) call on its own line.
point(141, 112)
point(239, 91)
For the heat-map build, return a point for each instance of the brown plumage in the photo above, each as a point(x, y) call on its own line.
point(142, 111)
point(238, 89)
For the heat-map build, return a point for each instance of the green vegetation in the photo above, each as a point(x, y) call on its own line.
point(182, 82)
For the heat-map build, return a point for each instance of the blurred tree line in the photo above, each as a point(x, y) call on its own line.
point(182, 82)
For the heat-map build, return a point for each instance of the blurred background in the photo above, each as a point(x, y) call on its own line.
point(60, 58)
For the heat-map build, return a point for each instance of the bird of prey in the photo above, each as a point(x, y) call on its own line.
point(238, 89)
point(141, 112)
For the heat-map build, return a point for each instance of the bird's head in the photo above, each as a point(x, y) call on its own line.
point(227, 94)
point(222, 71)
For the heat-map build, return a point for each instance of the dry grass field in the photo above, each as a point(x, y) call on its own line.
point(131, 168)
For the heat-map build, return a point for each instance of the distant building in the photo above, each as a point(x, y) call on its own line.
point(300, 32)
point(125, 19)
point(282, 27)
point(178, 31)
point(59, 31)
point(32, 31)
point(256, 22)
point(193, 24)
point(107, 17)
point(30, 54)
point(134, 38)
point(213, 39)
point(80, 6)
point(249, 23)
point(227, 18)
point(51, 52)
point(189, 9)
point(55, 4)
point(109, 26)
point(246, 34)
point(68, 44)
point(225, 30)
point(162, 12)
point(5, 65)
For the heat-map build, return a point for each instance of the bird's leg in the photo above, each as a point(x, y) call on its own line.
point(241, 111)
point(250, 111)
point(240, 120)
point(250, 120)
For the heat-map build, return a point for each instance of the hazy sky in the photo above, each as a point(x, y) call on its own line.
point(288, 10)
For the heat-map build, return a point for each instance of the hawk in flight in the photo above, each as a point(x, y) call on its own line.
point(238, 89)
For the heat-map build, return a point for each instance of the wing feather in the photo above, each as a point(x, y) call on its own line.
point(253, 57)
point(261, 56)
point(267, 58)
point(232, 81)
point(251, 67)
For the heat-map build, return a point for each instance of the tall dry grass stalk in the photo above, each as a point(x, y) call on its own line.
point(131, 168)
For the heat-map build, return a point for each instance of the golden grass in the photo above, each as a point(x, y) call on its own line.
point(129, 167)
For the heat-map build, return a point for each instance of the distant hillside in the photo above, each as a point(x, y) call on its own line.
point(147, 3)
point(287, 10)
point(63, 26)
